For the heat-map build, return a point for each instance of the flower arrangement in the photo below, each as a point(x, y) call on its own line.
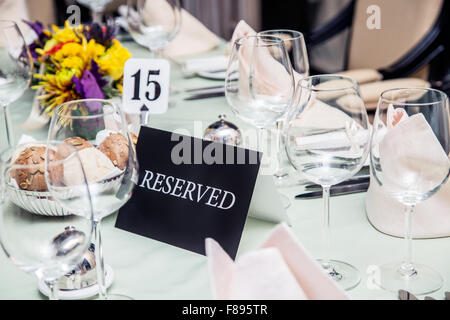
point(79, 62)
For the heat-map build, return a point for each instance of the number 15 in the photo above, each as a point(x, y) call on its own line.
point(137, 82)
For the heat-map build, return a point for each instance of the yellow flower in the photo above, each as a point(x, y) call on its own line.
point(55, 89)
point(66, 34)
point(68, 50)
point(50, 44)
point(74, 63)
point(113, 61)
point(94, 50)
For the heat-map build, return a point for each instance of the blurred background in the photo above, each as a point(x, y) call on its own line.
point(412, 41)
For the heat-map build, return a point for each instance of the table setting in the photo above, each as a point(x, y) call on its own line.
point(116, 183)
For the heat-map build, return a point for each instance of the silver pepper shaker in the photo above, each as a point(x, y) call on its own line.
point(223, 131)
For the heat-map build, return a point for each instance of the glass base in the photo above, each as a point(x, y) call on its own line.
point(345, 275)
point(422, 280)
point(113, 296)
point(282, 179)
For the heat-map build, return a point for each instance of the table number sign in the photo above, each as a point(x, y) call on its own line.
point(190, 189)
point(146, 86)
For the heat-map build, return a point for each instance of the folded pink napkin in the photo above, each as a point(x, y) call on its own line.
point(408, 168)
point(280, 269)
point(242, 29)
point(269, 73)
point(193, 37)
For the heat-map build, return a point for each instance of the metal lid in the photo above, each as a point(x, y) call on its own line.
point(223, 131)
point(84, 274)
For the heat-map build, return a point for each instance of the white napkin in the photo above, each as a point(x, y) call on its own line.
point(205, 64)
point(272, 78)
point(280, 269)
point(275, 71)
point(411, 157)
point(193, 37)
point(242, 29)
point(410, 145)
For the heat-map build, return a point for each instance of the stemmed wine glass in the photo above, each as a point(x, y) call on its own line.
point(259, 83)
point(410, 160)
point(16, 67)
point(154, 23)
point(98, 129)
point(294, 43)
point(327, 142)
point(97, 8)
point(34, 185)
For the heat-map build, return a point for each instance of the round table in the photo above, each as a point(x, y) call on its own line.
point(148, 269)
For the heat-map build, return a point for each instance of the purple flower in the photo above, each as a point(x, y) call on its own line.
point(102, 34)
point(87, 87)
point(32, 47)
point(95, 70)
point(37, 27)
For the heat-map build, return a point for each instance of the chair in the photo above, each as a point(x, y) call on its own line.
point(411, 44)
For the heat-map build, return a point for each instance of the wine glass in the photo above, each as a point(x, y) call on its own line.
point(43, 232)
point(98, 129)
point(16, 67)
point(410, 161)
point(97, 8)
point(294, 43)
point(327, 142)
point(259, 83)
point(154, 23)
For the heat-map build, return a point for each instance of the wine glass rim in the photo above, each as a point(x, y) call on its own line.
point(299, 35)
point(353, 84)
point(10, 152)
point(397, 102)
point(8, 23)
point(276, 40)
point(92, 116)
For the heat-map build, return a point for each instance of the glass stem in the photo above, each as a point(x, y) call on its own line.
point(97, 16)
point(157, 54)
point(259, 139)
point(407, 268)
point(53, 289)
point(99, 261)
point(326, 237)
point(279, 125)
point(8, 125)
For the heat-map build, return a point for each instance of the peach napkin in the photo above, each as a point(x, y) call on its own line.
point(280, 269)
point(273, 77)
point(411, 157)
point(192, 38)
point(411, 169)
point(242, 29)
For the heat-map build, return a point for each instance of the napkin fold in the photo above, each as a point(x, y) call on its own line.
point(281, 269)
point(242, 29)
point(272, 77)
point(413, 161)
point(412, 158)
point(192, 38)
point(213, 63)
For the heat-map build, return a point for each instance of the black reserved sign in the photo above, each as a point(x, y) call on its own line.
point(190, 189)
